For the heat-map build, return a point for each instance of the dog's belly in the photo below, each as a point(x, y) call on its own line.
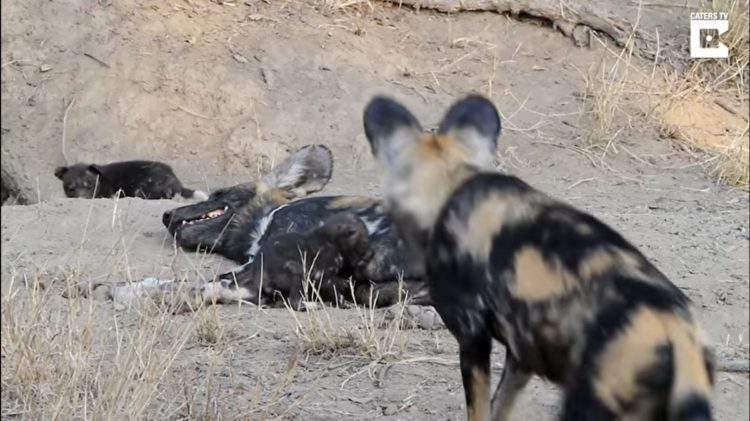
point(391, 260)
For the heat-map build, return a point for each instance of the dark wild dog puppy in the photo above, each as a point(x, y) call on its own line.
point(144, 179)
point(236, 222)
point(309, 266)
point(570, 298)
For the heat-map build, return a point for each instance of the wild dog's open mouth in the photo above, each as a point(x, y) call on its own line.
point(206, 216)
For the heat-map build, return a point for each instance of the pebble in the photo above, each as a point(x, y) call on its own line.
point(390, 410)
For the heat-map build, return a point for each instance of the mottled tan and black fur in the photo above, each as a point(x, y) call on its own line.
point(570, 298)
point(309, 266)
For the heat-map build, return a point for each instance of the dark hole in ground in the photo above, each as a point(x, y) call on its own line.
point(10, 192)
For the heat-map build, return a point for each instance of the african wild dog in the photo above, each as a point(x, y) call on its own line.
point(144, 179)
point(308, 267)
point(569, 298)
point(236, 222)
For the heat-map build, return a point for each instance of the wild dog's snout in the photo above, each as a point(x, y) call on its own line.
point(166, 218)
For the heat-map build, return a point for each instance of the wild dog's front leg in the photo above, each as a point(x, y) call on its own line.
point(514, 379)
point(224, 289)
point(474, 354)
point(335, 290)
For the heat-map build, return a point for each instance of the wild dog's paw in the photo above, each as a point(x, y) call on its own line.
point(415, 317)
point(95, 291)
point(182, 299)
point(310, 306)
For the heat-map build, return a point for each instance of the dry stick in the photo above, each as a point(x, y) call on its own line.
point(96, 59)
point(728, 108)
point(669, 5)
point(65, 123)
point(733, 366)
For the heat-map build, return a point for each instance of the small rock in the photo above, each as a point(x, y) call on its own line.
point(239, 58)
point(426, 320)
point(413, 310)
point(248, 2)
point(390, 410)
point(267, 77)
point(45, 68)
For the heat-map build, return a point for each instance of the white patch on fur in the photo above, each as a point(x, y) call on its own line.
point(200, 195)
point(126, 294)
point(373, 226)
point(259, 232)
point(220, 291)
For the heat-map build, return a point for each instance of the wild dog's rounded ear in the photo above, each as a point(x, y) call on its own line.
point(95, 169)
point(475, 122)
point(389, 126)
point(60, 172)
point(305, 171)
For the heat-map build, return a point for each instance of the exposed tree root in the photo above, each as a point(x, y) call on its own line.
point(573, 18)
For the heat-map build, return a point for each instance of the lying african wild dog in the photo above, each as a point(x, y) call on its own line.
point(236, 222)
point(306, 267)
point(570, 298)
point(144, 179)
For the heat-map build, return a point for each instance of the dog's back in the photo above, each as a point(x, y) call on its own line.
point(572, 300)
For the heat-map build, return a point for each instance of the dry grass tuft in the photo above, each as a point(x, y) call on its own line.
point(60, 362)
point(321, 334)
point(378, 340)
point(209, 329)
point(704, 107)
point(719, 74)
point(606, 88)
point(732, 167)
point(347, 6)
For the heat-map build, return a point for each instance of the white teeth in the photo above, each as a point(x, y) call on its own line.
point(215, 213)
point(210, 215)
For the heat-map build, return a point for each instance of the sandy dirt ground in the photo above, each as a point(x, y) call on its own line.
point(221, 92)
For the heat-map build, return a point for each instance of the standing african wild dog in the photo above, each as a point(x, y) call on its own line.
point(570, 298)
point(236, 222)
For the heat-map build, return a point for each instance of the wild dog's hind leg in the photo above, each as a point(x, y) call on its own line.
point(474, 353)
point(514, 379)
point(388, 293)
point(335, 290)
point(222, 290)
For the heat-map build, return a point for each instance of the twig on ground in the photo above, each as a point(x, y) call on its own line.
point(96, 59)
point(64, 129)
point(733, 366)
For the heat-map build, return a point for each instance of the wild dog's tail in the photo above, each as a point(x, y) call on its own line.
point(690, 398)
point(193, 194)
